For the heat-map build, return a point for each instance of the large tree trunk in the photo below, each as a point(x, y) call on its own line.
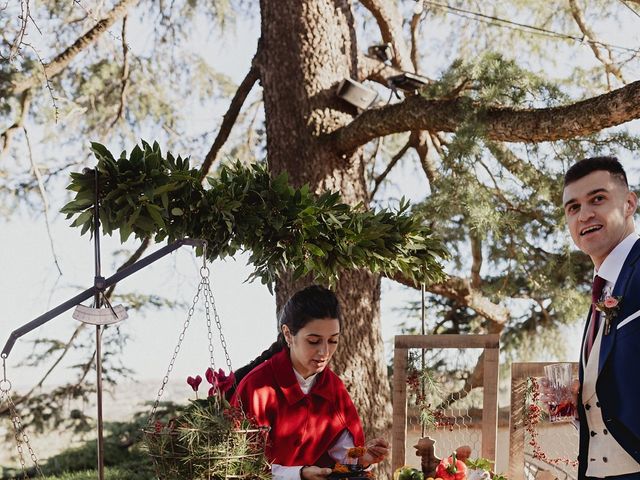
point(308, 47)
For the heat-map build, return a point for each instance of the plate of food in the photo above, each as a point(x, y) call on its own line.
point(352, 471)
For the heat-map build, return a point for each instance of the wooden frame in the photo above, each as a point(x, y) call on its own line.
point(520, 372)
point(491, 350)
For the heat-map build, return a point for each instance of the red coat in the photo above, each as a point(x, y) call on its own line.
point(303, 427)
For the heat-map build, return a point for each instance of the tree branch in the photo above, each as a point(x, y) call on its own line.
point(135, 256)
point(25, 16)
point(63, 60)
point(380, 178)
point(609, 67)
point(389, 21)
point(415, 30)
point(375, 70)
point(476, 253)
point(519, 168)
point(500, 123)
point(423, 145)
point(7, 135)
point(124, 78)
point(460, 290)
point(231, 116)
point(45, 201)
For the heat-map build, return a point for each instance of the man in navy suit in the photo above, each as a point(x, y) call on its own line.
point(599, 209)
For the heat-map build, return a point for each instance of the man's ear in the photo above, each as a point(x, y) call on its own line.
point(631, 204)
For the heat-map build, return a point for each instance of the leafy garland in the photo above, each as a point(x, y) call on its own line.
point(147, 194)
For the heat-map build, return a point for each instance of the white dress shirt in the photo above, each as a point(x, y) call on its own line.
point(605, 456)
point(338, 451)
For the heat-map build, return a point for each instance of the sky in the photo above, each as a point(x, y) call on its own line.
point(30, 285)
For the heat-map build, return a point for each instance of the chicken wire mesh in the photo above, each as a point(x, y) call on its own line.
point(444, 399)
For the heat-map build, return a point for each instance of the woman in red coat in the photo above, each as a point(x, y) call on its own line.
point(291, 389)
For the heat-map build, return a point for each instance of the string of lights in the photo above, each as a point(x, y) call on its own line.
point(504, 23)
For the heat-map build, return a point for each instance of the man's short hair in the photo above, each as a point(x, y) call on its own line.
point(584, 167)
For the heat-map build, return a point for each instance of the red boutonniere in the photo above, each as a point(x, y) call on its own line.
point(609, 308)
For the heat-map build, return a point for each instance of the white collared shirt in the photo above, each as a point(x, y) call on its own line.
point(305, 383)
point(338, 451)
point(605, 456)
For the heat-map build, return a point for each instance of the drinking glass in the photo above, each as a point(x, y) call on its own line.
point(558, 389)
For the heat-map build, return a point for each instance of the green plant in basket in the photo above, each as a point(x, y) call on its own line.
point(209, 439)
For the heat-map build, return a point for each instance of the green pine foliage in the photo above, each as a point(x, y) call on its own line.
point(208, 439)
point(506, 198)
point(243, 208)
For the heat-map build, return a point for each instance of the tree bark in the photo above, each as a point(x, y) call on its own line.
point(309, 46)
point(500, 123)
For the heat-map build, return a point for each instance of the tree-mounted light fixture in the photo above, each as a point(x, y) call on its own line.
point(356, 93)
point(409, 82)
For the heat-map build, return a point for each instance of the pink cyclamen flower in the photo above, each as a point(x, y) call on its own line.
point(224, 382)
point(610, 302)
point(219, 380)
point(209, 375)
point(194, 382)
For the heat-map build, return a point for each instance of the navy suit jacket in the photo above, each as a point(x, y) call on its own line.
point(618, 382)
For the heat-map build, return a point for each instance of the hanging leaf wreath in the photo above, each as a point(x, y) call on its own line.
point(243, 208)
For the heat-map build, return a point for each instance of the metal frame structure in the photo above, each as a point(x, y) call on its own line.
point(491, 348)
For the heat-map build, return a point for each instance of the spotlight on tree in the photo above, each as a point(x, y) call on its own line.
point(409, 82)
point(383, 52)
point(356, 93)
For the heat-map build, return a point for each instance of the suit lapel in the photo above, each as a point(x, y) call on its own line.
point(619, 290)
point(582, 345)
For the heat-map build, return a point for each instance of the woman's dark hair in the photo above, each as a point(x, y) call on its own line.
point(308, 304)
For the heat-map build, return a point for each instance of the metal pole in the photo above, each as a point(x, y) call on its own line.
point(422, 330)
point(97, 301)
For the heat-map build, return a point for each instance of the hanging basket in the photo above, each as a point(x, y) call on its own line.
point(201, 444)
point(209, 439)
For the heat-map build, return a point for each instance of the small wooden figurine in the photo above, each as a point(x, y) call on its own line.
point(425, 448)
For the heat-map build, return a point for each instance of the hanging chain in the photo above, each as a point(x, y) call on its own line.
point(209, 301)
point(204, 287)
point(216, 317)
point(176, 350)
point(5, 385)
point(204, 276)
point(18, 430)
point(204, 273)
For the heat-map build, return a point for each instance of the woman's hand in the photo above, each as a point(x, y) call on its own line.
point(376, 451)
point(314, 473)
